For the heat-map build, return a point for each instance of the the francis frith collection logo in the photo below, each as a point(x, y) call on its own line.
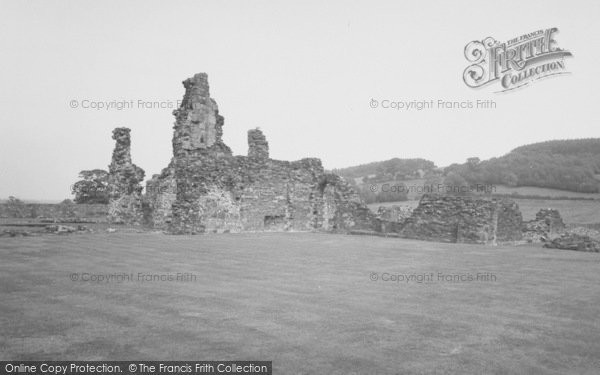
point(516, 62)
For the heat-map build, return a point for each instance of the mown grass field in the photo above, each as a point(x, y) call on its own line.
point(305, 301)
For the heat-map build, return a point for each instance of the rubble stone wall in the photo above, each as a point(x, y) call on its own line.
point(510, 221)
point(161, 192)
point(464, 220)
point(547, 225)
point(124, 182)
point(207, 189)
point(55, 211)
point(258, 147)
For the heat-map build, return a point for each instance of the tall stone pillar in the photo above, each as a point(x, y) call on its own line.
point(124, 182)
point(258, 147)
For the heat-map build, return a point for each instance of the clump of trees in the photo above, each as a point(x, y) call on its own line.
point(394, 193)
point(92, 188)
point(16, 207)
point(395, 169)
point(455, 184)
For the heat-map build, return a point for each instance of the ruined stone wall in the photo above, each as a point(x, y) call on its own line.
point(574, 241)
point(97, 212)
point(510, 221)
point(255, 194)
point(124, 182)
point(394, 213)
point(161, 192)
point(391, 219)
point(547, 224)
point(258, 147)
point(339, 208)
point(207, 189)
point(464, 220)
point(198, 125)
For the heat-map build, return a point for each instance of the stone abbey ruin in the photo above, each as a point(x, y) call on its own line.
point(207, 189)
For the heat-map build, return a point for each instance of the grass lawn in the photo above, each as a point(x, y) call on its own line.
point(305, 301)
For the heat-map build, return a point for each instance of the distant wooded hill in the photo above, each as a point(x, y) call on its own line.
point(572, 165)
point(389, 170)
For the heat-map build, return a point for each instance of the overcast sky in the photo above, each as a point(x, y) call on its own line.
point(303, 71)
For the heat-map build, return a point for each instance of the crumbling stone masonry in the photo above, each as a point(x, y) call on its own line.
point(573, 241)
point(207, 189)
point(55, 212)
point(464, 220)
point(394, 213)
point(390, 220)
point(124, 182)
point(258, 147)
point(547, 225)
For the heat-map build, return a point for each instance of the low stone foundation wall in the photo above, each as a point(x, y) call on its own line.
point(44, 210)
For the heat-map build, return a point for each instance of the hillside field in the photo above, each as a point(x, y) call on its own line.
point(311, 303)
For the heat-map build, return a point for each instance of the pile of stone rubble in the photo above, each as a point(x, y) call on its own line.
point(547, 225)
point(574, 241)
